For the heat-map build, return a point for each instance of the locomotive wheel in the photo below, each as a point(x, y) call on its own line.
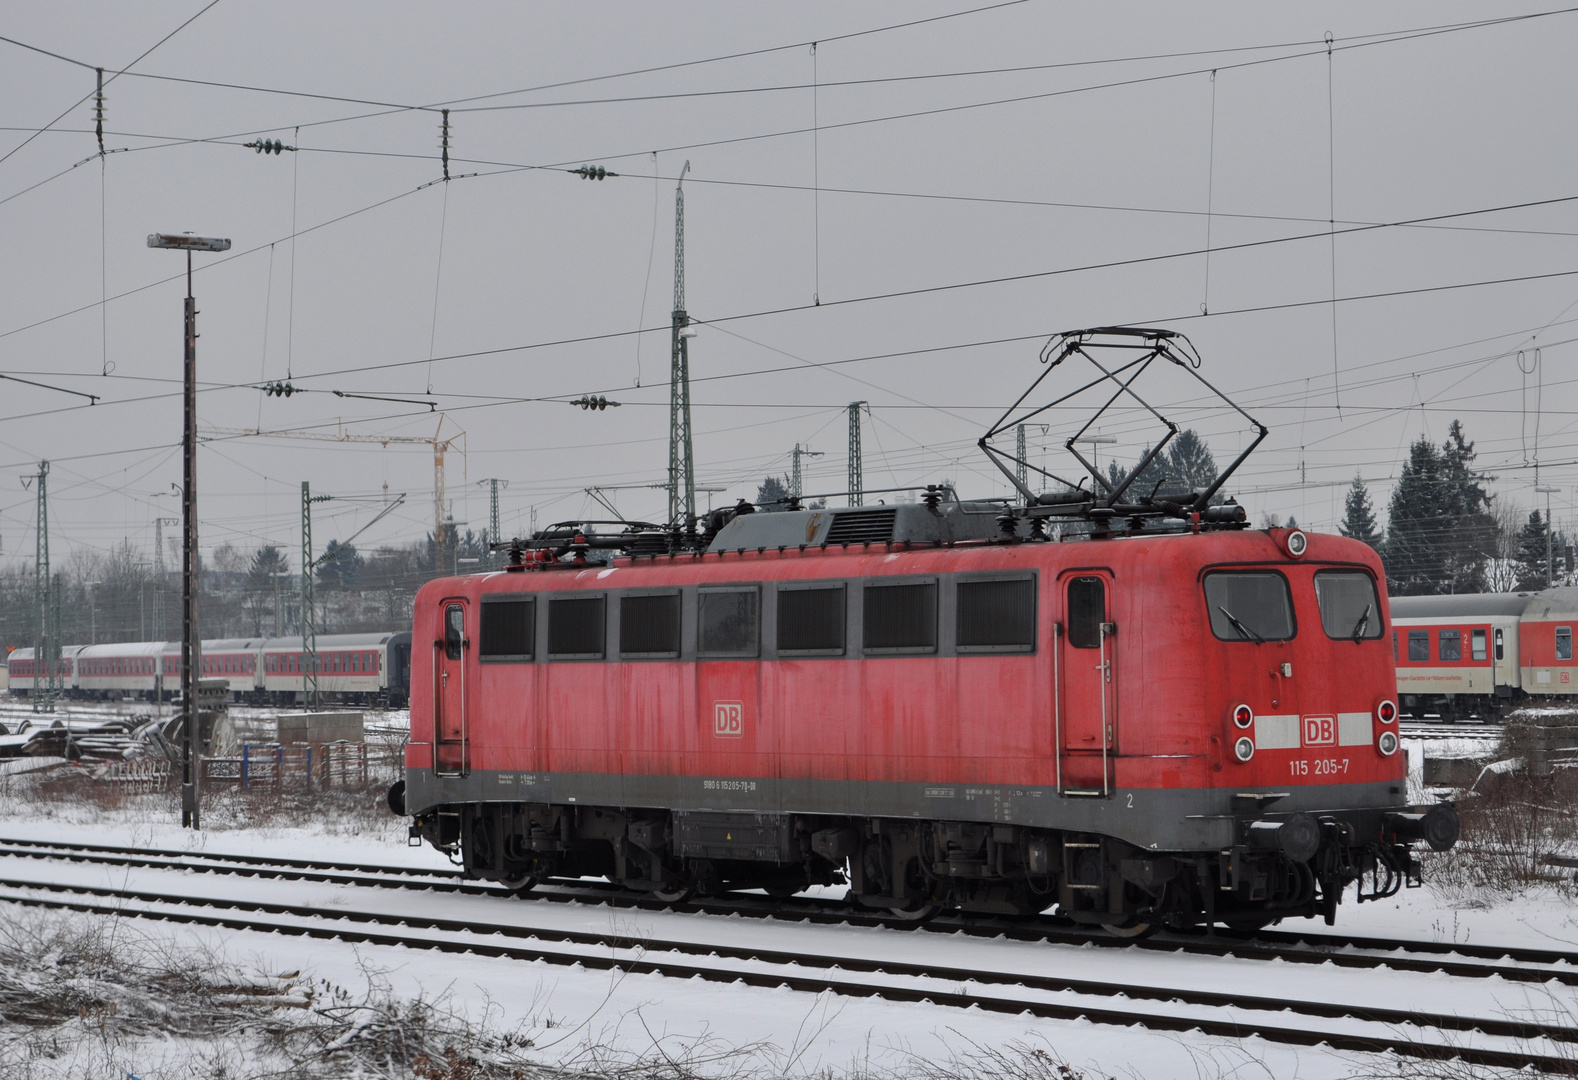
point(521, 884)
point(915, 910)
point(676, 894)
point(1138, 930)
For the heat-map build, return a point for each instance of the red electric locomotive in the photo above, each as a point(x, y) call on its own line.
point(935, 702)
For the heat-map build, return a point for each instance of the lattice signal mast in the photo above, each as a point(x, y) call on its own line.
point(494, 534)
point(857, 482)
point(681, 464)
point(795, 487)
point(46, 637)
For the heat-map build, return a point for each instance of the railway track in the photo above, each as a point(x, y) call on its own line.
point(1524, 965)
point(1479, 1040)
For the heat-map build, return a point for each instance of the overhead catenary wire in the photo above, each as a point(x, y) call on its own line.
point(1333, 298)
point(816, 184)
point(8, 154)
point(1210, 193)
point(1331, 218)
point(1037, 275)
point(290, 320)
point(1358, 42)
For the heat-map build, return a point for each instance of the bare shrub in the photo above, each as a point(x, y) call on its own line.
point(1512, 821)
point(87, 997)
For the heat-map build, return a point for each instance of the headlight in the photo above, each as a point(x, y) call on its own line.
point(1243, 716)
point(1386, 711)
point(1297, 543)
point(1387, 743)
point(1244, 749)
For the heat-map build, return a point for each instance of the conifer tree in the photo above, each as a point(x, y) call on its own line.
point(1441, 531)
point(1189, 462)
point(1358, 520)
point(1531, 553)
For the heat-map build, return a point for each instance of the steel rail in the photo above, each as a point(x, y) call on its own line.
point(1530, 965)
point(467, 936)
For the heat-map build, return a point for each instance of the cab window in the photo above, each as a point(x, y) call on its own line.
point(1250, 605)
point(1349, 609)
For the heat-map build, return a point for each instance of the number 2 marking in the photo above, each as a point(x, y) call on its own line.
point(1131, 801)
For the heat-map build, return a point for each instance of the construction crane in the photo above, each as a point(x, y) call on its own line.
point(440, 448)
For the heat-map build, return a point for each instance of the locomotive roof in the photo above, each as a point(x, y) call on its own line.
point(913, 523)
point(1461, 604)
point(1179, 553)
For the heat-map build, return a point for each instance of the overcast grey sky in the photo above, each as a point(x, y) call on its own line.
point(1108, 142)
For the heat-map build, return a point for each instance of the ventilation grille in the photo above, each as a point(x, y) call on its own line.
point(862, 526)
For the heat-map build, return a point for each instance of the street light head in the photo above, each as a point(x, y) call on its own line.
point(188, 242)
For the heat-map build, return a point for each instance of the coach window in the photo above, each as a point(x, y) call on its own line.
point(1476, 644)
point(996, 615)
point(900, 618)
point(1250, 605)
point(1419, 645)
point(1349, 610)
point(649, 626)
point(726, 621)
point(1564, 643)
point(508, 629)
point(811, 620)
point(576, 627)
point(1450, 645)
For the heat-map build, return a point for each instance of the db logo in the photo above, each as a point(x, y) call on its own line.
point(728, 719)
point(1565, 677)
point(1320, 731)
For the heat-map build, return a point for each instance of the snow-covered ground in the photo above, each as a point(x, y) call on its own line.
point(576, 1016)
point(570, 1013)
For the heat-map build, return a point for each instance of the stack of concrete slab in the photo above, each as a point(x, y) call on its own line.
point(317, 728)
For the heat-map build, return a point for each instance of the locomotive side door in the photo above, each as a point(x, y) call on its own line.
point(1085, 700)
point(451, 749)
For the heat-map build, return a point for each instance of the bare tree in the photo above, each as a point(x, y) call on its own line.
point(1501, 569)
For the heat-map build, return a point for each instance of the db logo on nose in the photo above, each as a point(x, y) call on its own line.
point(728, 719)
point(1320, 731)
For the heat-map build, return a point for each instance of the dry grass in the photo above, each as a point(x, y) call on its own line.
point(69, 795)
point(83, 998)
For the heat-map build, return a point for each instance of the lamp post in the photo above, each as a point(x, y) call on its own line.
point(189, 640)
point(93, 611)
point(1096, 442)
point(1550, 568)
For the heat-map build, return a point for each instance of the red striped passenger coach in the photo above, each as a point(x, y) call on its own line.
point(943, 710)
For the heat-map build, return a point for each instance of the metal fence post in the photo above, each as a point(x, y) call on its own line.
point(245, 756)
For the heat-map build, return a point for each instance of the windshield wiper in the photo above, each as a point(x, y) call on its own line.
point(1240, 627)
point(1364, 621)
